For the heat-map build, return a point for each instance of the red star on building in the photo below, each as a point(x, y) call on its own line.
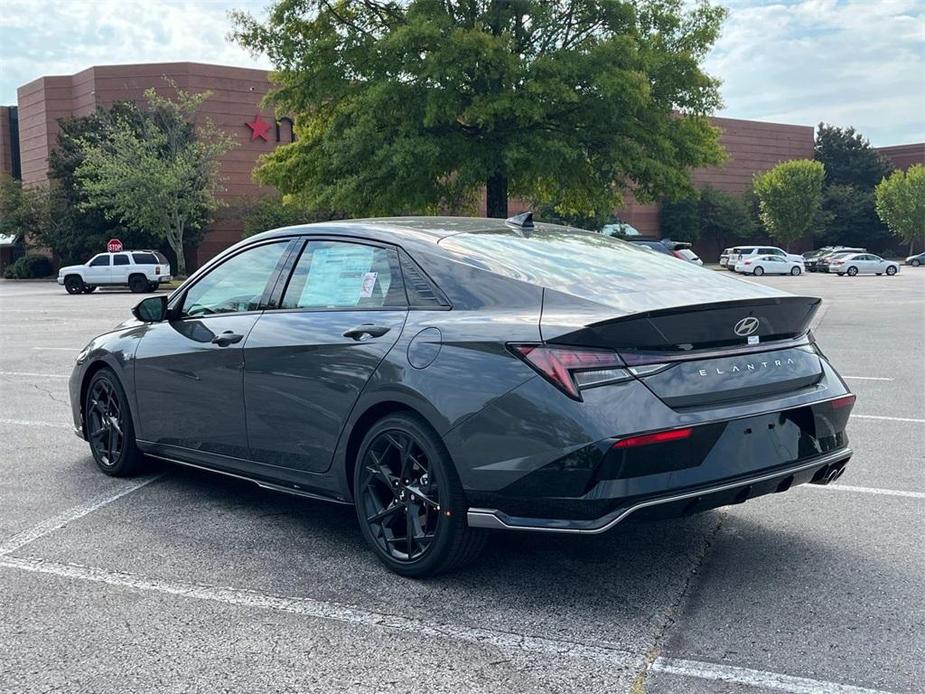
point(259, 128)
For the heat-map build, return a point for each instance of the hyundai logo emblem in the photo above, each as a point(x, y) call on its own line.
point(746, 326)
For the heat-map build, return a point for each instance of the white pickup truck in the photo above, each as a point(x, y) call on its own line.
point(140, 271)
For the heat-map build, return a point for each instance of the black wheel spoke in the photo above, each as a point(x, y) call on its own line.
point(385, 513)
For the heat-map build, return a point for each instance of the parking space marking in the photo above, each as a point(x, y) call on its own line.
point(58, 349)
point(869, 378)
point(55, 522)
point(888, 419)
point(321, 609)
point(864, 490)
point(29, 374)
point(754, 678)
point(33, 423)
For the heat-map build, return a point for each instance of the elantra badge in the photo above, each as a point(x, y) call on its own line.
point(746, 326)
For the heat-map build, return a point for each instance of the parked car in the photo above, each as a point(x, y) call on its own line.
point(862, 264)
point(824, 262)
point(678, 249)
point(724, 257)
point(817, 261)
point(742, 252)
point(449, 375)
point(916, 260)
point(652, 245)
point(688, 255)
point(140, 271)
point(769, 265)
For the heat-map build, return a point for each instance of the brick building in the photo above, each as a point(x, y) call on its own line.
point(28, 134)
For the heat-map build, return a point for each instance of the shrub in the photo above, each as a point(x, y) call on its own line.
point(28, 267)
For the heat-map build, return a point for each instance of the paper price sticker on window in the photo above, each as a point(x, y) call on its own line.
point(369, 283)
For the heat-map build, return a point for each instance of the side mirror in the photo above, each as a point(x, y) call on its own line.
point(151, 310)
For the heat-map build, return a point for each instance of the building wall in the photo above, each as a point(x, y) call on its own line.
point(904, 156)
point(6, 142)
point(235, 99)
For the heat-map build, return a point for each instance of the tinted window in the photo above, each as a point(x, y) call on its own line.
point(333, 274)
point(144, 258)
point(235, 285)
point(100, 260)
point(120, 259)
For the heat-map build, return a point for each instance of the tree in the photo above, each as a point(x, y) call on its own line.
point(848, 158)
point(850, 219)
point(901, 203)
point(680, 219)
point(724, 217)
point(789, 198)
point(158, 175)
point(274, 211)
point(417, 106)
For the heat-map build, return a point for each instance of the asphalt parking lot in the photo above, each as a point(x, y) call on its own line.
point(185, 581)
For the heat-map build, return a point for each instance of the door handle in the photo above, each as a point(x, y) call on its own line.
point(227, 338)
point(358, 332)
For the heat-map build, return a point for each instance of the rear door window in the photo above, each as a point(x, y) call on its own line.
point(339, 275)
point(120, 259)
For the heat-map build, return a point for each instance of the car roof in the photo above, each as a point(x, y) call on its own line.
point(430, 229)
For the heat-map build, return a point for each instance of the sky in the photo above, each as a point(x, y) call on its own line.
point(845, 62)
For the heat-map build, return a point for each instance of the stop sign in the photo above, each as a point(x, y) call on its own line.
point(114, 246)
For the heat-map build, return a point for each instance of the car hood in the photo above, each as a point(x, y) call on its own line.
point(70, 268)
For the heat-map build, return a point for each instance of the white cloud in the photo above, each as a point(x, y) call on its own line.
point(854, 62)
point(848, 62)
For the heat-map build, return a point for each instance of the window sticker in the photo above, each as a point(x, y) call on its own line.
point(369, 282)
point(337, 276)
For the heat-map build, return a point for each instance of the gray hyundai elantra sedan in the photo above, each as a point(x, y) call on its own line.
point(446, 376)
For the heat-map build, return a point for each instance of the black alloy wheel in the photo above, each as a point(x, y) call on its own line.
point(891, 270)
point(409, 500)
point(73, 285)
point(109, 427)
point(852, 271)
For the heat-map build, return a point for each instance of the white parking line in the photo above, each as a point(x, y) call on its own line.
point(754, 678)
point(33, 423)
point(869, 378)
point(864, 490)
point(321, 609)
point(58, 349)
point(888, 419)
point(51, 524)
point(29, 374)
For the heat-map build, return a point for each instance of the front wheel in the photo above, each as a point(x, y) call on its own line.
point(409, 500)
point(795, 270)
point(89, 289)
point(110, 430)
point(74, 285)
point(891, 270)
point(758, 271)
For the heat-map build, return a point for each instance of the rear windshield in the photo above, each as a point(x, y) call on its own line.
point(583, 264)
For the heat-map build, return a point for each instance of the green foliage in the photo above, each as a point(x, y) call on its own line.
point(273, 212)
point(22, 210)
point(712, 214)
point(850, 219)
point(416, 106)
point(901, 204)
point(29, 267)
point(789, 198)
point(848, 158)
point(157, 174)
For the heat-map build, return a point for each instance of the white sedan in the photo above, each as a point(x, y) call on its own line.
point(852, 264)
point(769, 265)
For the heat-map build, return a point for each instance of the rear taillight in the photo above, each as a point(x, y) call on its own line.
point(843, 401)
point(748, 262)
point(657, 437)
point(678, 254)
point(571, 369)
point(838, 262)
point(157, 270)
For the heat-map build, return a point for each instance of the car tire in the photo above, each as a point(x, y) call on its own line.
point(852, 271)
point(758, 271)
point(915, 263)
point(152, 286)
point(405, 479)
point(795, 270)
point(109, 427)
point(138, 284)
point(891, 270)
point(89, 289)
point(74, 284)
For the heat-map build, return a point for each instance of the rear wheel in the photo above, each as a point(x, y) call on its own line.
point(758, 271)
point(916, 263)
point(891, 270)
point(152, 286)
point(73, 284)
point(110, 431)
point(795, 270)
point(138, 284)
point(852, 271)
point(409, 501)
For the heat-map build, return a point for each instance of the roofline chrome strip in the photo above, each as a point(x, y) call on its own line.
point(493, 519)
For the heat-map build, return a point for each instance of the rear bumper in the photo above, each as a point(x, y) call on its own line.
point(679, 502)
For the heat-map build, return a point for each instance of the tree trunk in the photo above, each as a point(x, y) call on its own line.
point(496, 193)
point(176, 244)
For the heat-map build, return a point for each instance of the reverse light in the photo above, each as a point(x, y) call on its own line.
point(572, 368)
point(657, 437)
